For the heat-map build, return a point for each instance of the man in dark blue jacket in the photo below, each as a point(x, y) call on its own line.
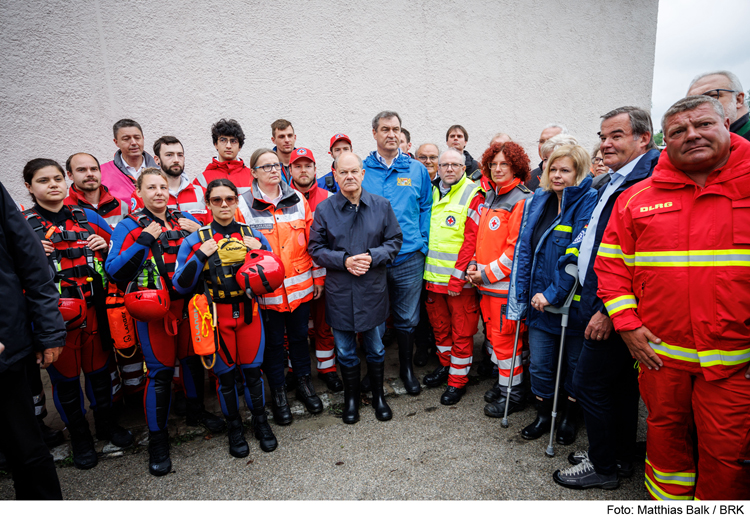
point(355, 235)
point(24, 267)
point(605, 378)
point(405, 183)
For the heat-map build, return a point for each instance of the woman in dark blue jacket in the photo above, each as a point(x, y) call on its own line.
point(559, 211)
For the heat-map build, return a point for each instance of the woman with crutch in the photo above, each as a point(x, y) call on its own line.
point(555, 217)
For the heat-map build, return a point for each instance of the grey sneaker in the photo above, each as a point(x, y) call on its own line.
point(583, 476)
point(624, 469)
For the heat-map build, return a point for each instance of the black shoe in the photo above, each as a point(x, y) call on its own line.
point(497, 409)
point(351, 394)
point(406, 369)
point(332, 381)
point(422, 356)
point(452, 395)
point(237, 445)
point(108, 430)
point(625, 469)
point(494, 393)
point(82, 445)
point(382, 410)
point(282, 415)
point(568, 428)
point(365, 386)
point(179, 404)
point(437, 377)
point(52, 438)
point(584, 476)
point(263, 433)
point(159, 463)
point(305, 393)
point(197, 415)
point(543, 422)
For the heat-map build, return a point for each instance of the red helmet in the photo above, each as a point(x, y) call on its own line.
point(147, 305)
point(263, 272)
point(73, 309)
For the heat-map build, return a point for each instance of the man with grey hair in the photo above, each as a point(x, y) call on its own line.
point(726, 88)
point(452, 301)
point(428, 154)
point(552, 129)
point(606, 381)
point(405, 183)
point(673, 279)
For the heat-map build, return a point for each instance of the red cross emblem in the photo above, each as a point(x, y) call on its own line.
point(494, 223)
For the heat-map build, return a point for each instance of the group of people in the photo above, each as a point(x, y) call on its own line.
point(235, 263)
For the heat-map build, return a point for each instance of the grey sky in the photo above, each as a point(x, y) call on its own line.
point(693, 37)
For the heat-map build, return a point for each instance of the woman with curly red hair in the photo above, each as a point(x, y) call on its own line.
point(505, 167)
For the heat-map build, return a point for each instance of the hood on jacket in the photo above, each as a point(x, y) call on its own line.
point(228, 166)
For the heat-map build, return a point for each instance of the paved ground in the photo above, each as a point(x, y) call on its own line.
point(427, 452)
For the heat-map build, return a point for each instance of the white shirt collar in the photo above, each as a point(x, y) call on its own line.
point(266, 198)
point(382, 160)
point(626, 169)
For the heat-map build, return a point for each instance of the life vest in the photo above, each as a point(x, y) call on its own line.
point(221, 268)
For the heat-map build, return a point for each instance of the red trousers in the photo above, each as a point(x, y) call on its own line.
point(454, 321)
point(83, 350)
point(719, 410)
point(244, 341)
point(324, 350)
point(501, 333)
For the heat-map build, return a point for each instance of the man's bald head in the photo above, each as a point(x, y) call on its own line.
point(344, 156)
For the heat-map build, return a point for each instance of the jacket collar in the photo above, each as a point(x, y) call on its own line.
point(313, 188)
point(341, 201)
point(400, 162)
point(150, 162)
point(289, 196)
point(230, 166)
point(104, 196)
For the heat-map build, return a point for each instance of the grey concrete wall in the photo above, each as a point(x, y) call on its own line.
point(69, 70)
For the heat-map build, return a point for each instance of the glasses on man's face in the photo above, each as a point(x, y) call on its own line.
point(597, 160)
point(716, 93)
point(268, 167)
point(424, 158)
point(231, 141)
point(454, 166)
point(218, 201)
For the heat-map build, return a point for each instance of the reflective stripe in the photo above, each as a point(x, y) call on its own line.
point(320, 272)
point(326, 364)
point(289, 217)
point(576, 298)
point(518, 379)
point(271, 300)
point(659, 494)
point(132, 368)
point(116, 388)
point(574, 251)
point(468, 191)
point(133, 381)
point(700, 258)
point(507, 263)
point(505, 364)
point(438, 269)
point(321, 354)
point(496, 270)
point(458, 274)
point(460, 361)
point(38, 410)
point(675, 478)
point(562, 227)
point(473, 215)
point(615, 252)
point(708, 358)
point(499, 285)
point(444, 348)
point(443, 256)
point(294, 296)
point(296, 280)
point(459, 372)
point(621, 303)
point(38, 398)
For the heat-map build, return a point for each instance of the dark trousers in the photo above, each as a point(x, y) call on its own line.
point(295, 325)
point(606, 384)
point(32, 466)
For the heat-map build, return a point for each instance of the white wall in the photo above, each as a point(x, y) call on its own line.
point(69, 70)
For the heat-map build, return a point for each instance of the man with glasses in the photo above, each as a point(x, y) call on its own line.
point(553, 129)
point(428, 154)
point(228, 140)
point(452, 303)
point(726, 88)
point(404, 182)
point(340, 143)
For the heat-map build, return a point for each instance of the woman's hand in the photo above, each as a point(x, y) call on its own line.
point(473, 275)
point(188, 225)
point(153, 229)
point(252, 243)
point(209, 247)
point(48, 247)
point(539, 302)
point(96, 242)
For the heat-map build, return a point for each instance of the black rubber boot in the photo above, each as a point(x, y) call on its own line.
point(382, 410)
point(305, 393)
point(406, 369)
point(568, 426)
point(282, 415)
point(543, 421)
point(351, 394)
point(238, 446)
point(365, 386)
point(81, 442)
point(195, 410)
point(332, 381)
point(263, 433)
point(105, 421)
point(159, 463)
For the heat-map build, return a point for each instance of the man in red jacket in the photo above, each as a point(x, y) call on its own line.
point(673, 276)
point(302, 169)
point(228, 140)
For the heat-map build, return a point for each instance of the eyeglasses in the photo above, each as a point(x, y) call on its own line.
point(427, 158)
point(218, 201)
point(498, 165)
point(597, 160)
point(268, 167)
point(716, 94)
point(450, 165)
point(231, 141)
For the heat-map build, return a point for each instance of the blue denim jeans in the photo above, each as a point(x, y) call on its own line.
point(545, 348)
point(405, 290)
point(346, 346)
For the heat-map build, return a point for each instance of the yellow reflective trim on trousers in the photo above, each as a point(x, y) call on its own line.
point(621, 303)
point(675, 478)
point(707, 358)
point(574, 251)
point(562, 227)
point(661, 495)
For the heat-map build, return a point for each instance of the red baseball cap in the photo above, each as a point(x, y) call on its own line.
point(337, 137)
point(301, 153)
